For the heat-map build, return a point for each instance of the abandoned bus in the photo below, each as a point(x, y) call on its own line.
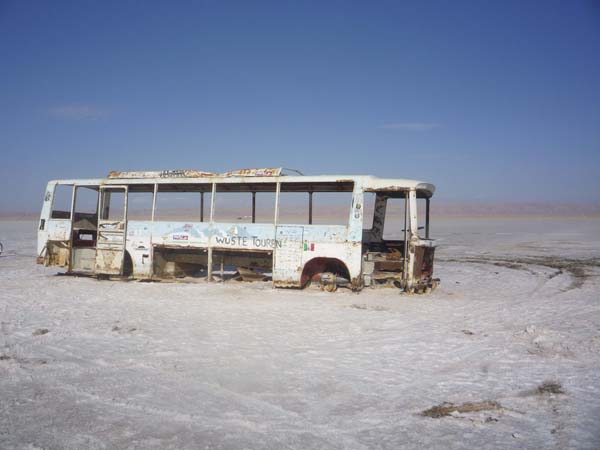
point(251, 224)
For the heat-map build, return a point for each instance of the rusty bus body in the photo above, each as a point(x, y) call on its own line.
point(106, 242)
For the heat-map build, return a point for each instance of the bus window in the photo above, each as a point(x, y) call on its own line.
point(331, 208)
point(237, 207)
point(293, 208)
point(86, 207)
point(139, 202)
point(113, 204)
point(245, 202)
point(329, 203)
point(183, 204)
point(265, 207)
point(61, 204)
point(393, 229)
point(233, 207)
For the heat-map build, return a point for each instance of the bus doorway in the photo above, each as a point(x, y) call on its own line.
point(112, 230)
point(84, 228)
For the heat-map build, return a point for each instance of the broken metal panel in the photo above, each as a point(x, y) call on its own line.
point(423, 262)
point(54, 235)
point(373, 184)
point(83, 260)
point(109, 261)
point(58, 253)
point(55, 242)
point(59, 229)
point(388, 265)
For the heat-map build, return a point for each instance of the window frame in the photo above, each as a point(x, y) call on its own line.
point(70, 218)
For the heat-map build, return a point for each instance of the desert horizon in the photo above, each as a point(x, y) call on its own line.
point(439, 209)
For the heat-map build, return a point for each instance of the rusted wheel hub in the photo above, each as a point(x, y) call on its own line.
point(328, 282)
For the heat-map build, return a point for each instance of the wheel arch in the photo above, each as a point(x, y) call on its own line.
point(314, 267)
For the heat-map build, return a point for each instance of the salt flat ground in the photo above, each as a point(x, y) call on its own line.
point(195, 366)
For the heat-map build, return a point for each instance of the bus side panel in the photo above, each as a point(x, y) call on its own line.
point(139, 247)
point(58, 244)
point(349, 253)
point(242, 236)
point(181, 234)
point(330, 241)
point(173, 235)
point(287, 267)
point(233, 236)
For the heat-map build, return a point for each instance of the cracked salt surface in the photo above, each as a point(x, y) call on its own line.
point(187, 366)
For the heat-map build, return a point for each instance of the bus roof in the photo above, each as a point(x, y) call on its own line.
point(252, 176)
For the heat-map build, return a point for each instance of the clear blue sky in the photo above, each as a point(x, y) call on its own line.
point(490, 101)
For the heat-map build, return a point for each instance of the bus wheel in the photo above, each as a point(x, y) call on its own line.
point(328, 282)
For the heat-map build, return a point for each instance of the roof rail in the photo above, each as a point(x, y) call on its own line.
point(189, 173)
point(292, 170)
